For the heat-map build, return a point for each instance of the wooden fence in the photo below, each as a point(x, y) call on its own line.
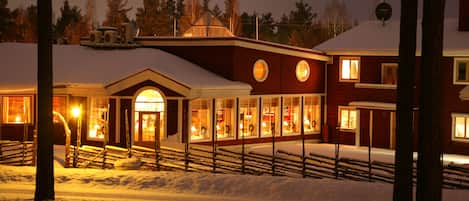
point(203, 159)
point(17, 153)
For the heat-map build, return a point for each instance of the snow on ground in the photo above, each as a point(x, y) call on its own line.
point(17, 183)
point(354, 152)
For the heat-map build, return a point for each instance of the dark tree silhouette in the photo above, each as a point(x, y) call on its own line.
point(429, 170)
point(403, 159)
point(44, 169)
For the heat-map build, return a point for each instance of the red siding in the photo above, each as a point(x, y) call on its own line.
point(463, 15)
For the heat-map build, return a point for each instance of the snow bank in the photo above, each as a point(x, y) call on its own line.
point(128, 164)
point(244, 187)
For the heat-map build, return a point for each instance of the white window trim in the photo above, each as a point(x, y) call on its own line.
point(453, 125)
point(266, 70)
point(88, 120)
point(339, 119)
point(283, 115)
point(396, 65)
point(340, 69)
point(279, 113)
point(257, 119)
point(455, 71)
point(32, 110)
point(234, 118)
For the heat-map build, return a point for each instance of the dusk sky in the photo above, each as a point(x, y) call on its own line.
point(359, 9)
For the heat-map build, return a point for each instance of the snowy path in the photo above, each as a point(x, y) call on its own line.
point(77, 192)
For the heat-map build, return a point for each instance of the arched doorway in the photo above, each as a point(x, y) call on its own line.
point(149, 117)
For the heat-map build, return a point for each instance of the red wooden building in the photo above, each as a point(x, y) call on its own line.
point(362, 78)
point(180, 90)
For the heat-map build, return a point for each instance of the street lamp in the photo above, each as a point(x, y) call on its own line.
point(76, 113)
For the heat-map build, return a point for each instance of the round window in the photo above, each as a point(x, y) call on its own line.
point(302, 71)
point(260, 71)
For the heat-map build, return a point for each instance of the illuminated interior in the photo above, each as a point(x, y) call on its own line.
point(291, 115)
point(98, 116)
point(462, 71)
point(16, 109)
point(200, 119)
point(260, 70)
point(248, 117)
point(270, 116)
point(302, 71)
point(461, 127)
point(348, 118)
point(349, 69)
point(311, 114)
point(149, 104)
point(225, 114)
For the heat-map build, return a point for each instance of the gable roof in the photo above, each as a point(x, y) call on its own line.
point(77, 65)
point(373, 39)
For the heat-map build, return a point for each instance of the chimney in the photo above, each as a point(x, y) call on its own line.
point(463, 15)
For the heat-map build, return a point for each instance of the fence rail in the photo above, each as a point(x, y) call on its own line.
point(17, 153)
point(196, 158)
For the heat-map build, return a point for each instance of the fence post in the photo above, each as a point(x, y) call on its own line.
point(337, 149)
point(273, 149)
point(243, 152)
point(25, 137)
point(127, 134)
point(186, 156)
point(302, 130)
point(369, 159)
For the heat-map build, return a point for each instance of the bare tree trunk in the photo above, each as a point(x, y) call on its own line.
point(403, 158)
point(44, 168)
point(429, 173)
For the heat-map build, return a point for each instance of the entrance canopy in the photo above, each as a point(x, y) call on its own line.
point(109, 71)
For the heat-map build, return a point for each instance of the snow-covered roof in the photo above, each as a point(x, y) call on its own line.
point(78, 65)
point(372, 38)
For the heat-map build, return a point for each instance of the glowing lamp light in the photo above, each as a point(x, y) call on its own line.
point(18, 119)
point(76, 112)
point(241, 126)
point(285, 123)
point(306, 122)
point(193, 129)
point(264, 124)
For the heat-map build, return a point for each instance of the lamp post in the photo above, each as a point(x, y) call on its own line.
point(76, 113)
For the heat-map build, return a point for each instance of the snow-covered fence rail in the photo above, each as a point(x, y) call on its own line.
point(16, 153)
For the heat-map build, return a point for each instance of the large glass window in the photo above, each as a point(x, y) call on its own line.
point(225, 117)
point(461, 71)
point(98, 117)
point(270, 116)
point(59, 105)
point(349, 68)
point(248, 117)
point(347, 118)
point(389, 73)
point(311, 114)
point(16, 109)
point(302, 71)
point(200, 119)
point(260, 71)
point(291, 115)
point(460, 126)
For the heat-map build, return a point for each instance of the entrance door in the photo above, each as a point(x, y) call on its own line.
point(381, 129)
point(148, 129)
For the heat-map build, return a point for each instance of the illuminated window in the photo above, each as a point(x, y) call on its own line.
point(349, 69)
point(98, 117)
point(225, 117)
point(461, 127)
point(311, 114)
point(347, 118)
point(248, 117)
point(149, 104)
point(270, 116)
point(260, 71)
point(461, 70)
point(302, 71)
point(59, 104)
point(16, 109)
point(389, 73)
point(200, 119)
point(291, 115)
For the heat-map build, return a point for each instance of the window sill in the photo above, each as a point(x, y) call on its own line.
point(375, 86)
point(461, 140)
point(347, 130)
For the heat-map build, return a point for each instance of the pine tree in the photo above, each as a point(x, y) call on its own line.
point(6, 21)
point(266, 27)
point(248, 29)
point(205, 6)
point(69, 16)
point(231, 16)
point(116, 13)
point(302, 27)
point(216, 11)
